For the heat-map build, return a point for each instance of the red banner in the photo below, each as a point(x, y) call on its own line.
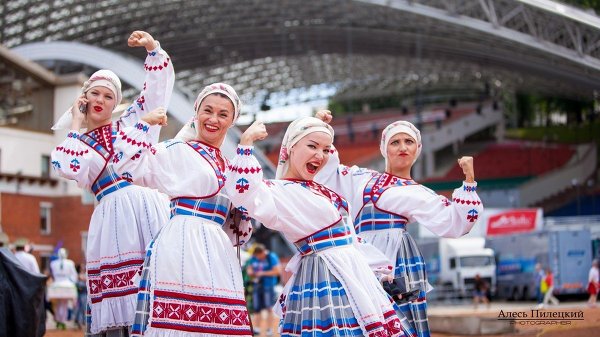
point(513, 221)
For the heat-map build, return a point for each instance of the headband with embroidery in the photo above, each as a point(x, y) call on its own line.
point(188, 131)
point(296, 131)
point(101, 78)
point(396, 128)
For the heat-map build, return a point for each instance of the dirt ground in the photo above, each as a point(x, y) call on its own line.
point(588, 327)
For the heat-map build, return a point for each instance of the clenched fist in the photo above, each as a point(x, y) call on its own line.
point(324, 115)
point(466, 164)
point(256, 131)
point(141, 39)
point(157, 116)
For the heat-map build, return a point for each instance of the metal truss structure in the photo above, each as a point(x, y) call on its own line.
point(296, 51)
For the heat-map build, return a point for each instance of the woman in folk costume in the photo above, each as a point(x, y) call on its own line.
point(191, 282)
point(127, 217)
point(62, 290)
point(383, 203)
point(334, 290)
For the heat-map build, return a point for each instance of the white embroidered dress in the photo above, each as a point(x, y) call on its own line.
point(382, 206)
point(127, 217)
point(192, 282)
point(333, 290)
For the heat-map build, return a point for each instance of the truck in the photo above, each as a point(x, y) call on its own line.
point(567, 252)
point(452, 264)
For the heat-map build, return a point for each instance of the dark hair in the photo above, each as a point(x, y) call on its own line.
point(259, 248)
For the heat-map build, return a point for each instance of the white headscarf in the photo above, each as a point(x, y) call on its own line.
point(296, 131)
point(62, 253)
point(396, 128)
point(101, 78)
point(188, 131)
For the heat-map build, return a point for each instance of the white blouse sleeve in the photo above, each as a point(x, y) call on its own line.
point(441, 216)
point(72, 159)
point(138, 160)
point(247, 190)
point(342, 179)
point(157, 90)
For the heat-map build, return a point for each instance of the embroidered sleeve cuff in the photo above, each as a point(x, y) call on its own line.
point(469, 187)
point(157, 60)
point(155, 51)
point(245, 150)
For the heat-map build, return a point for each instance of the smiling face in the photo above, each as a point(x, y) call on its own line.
point(101, 103)
point(309, 155)
point(215, 116)
point(401, 154)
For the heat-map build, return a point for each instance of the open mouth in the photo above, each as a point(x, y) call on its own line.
point(312, 168)
point(210, 128)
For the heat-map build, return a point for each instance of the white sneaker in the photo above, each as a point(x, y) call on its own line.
point(269, 332)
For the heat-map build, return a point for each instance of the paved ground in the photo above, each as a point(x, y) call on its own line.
point(588, 327)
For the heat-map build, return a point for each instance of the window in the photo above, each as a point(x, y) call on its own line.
point(453, 263)
point(45, 217)
point(475, 261)
point(45, 166)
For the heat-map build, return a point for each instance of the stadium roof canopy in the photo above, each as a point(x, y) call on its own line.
point(296, 51)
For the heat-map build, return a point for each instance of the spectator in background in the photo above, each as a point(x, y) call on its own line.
point(47, 303)
point(549, 294)
point(81, 296)
point(26, 259)
point(62, 290)
point(264, 270)
point(480, 291)
point(593, 284)
point(538, 277)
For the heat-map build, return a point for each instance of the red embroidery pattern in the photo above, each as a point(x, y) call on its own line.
point(345, 170)
point(244, 169)
point(71, 152)
point(468, 202)
point(132, 141)
point(157, 67)
point(103, 135)
point(242, 185)
point(198, 313)
point(472, 215)
point(75, 165)
point(390, 327)
point(113, 280)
